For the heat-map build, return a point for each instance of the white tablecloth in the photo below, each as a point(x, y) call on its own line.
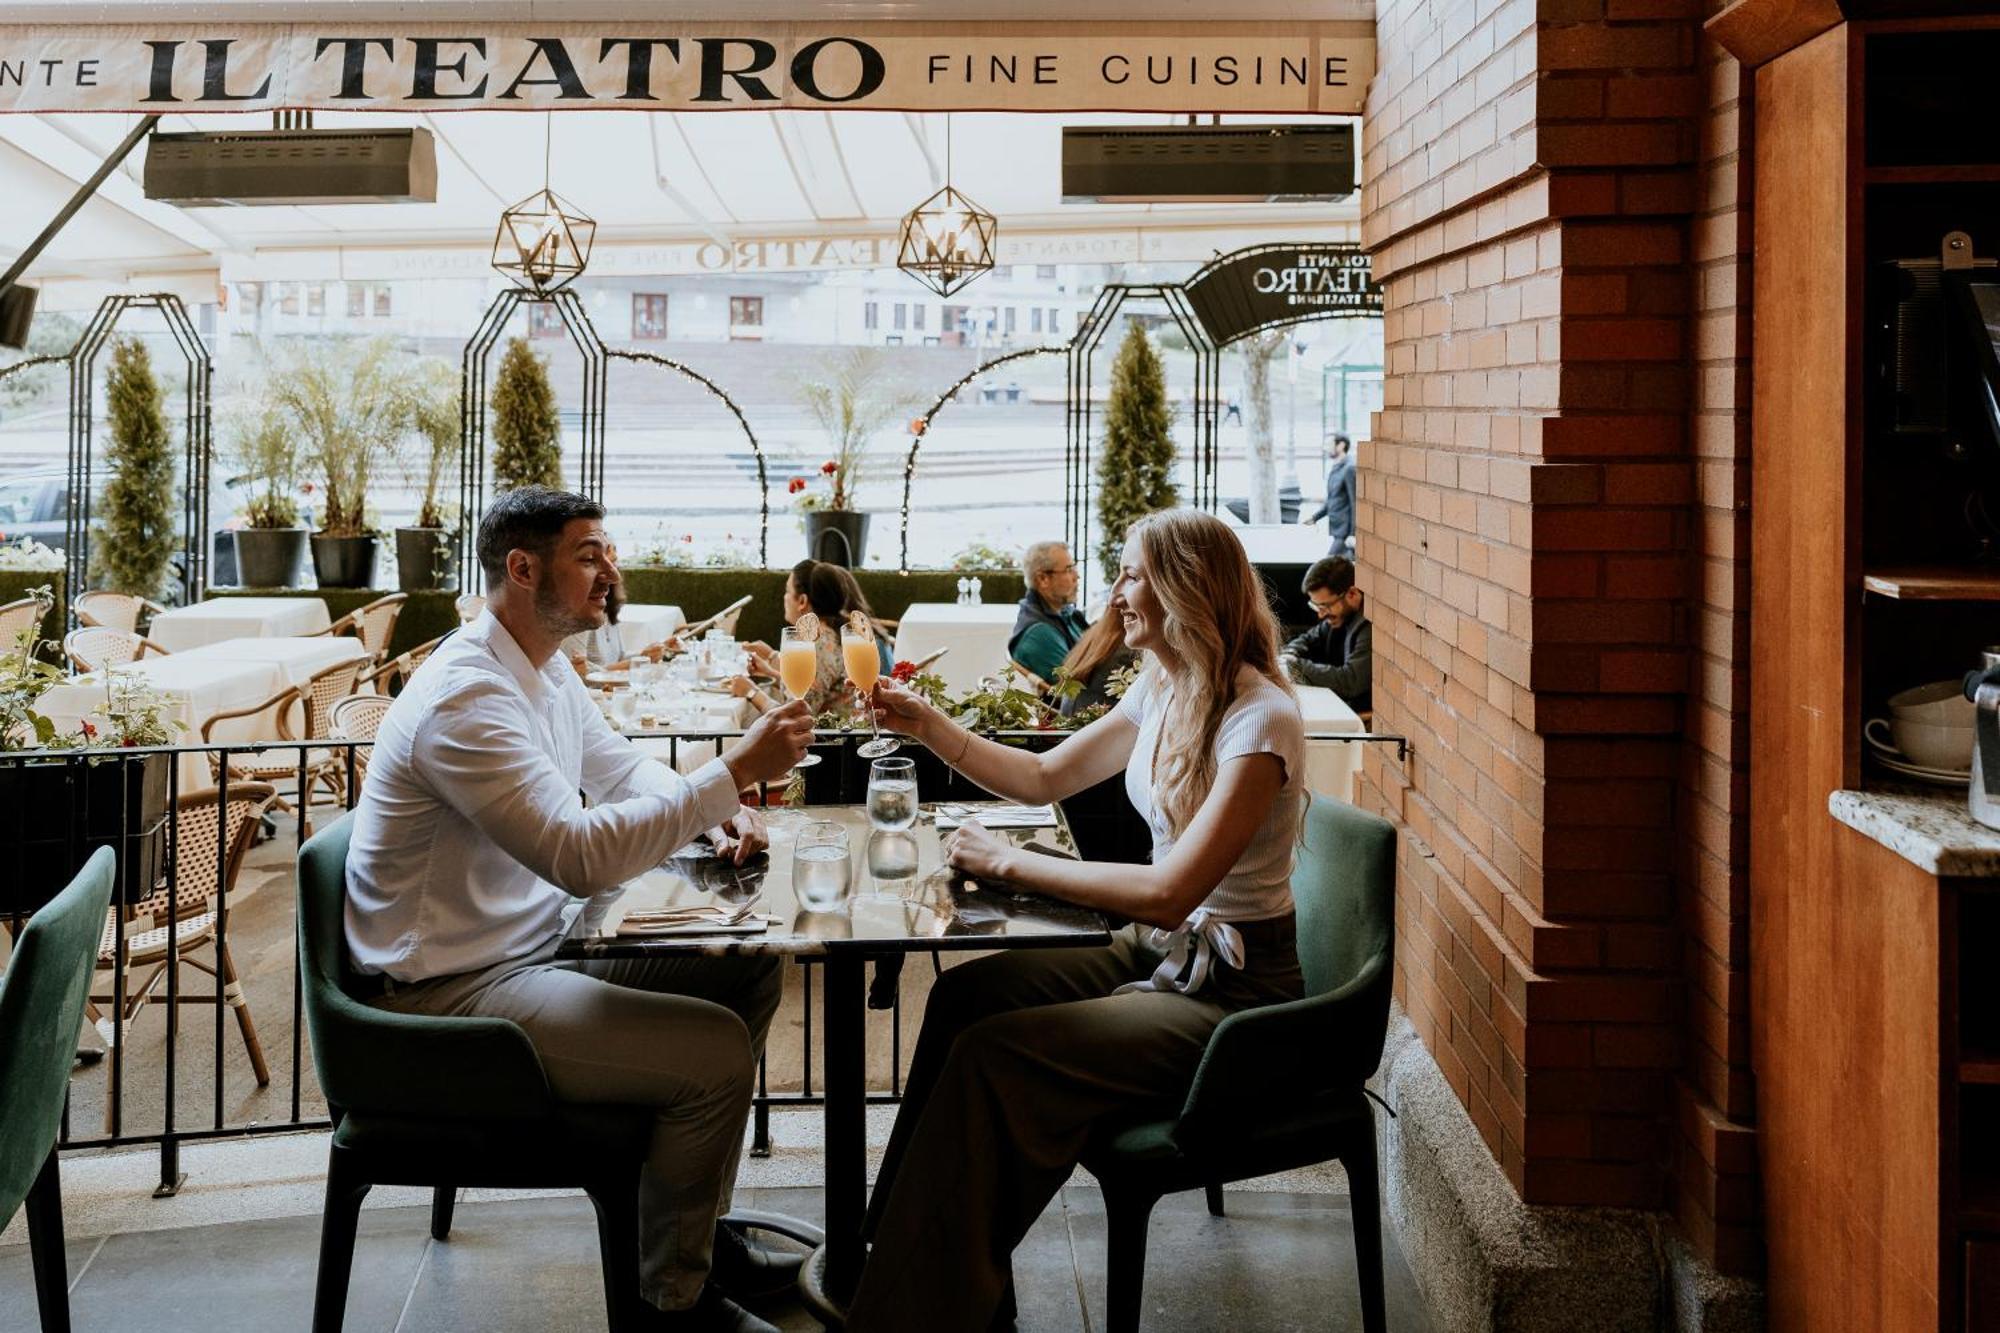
point(1331, 765)
point(237, 618)
point(1282, 543)
point(640, 624)
point(976, 635)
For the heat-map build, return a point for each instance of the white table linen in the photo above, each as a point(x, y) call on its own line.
point(220, 618)
point(195, 688)
point(1282, 543)
point(976, 635)
point(641, 625)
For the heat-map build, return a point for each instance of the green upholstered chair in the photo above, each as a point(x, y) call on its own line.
point(41, 1007)
point(1279, 1087)
point(446, 1102)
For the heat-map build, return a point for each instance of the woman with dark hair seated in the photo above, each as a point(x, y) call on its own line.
point(831, 594)
point(1024, 1052)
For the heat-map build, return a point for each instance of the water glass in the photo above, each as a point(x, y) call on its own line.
point(624, 707)
point(821, 876)
point(892, 794)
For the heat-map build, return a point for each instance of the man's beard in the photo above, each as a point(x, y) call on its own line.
point(557, 621)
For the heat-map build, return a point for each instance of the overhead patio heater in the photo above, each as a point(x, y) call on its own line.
point(1207, 164)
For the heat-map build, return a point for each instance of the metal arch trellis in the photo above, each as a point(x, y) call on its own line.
point(756, 448)
point(472, 404)
point(1077, 416)
point(197, 439)
point(910, 462)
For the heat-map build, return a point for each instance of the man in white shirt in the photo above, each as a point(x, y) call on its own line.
point(473, 856)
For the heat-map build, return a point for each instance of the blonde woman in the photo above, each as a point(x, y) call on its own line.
point(1024, 1051)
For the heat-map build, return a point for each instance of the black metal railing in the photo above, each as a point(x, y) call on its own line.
point(57, 807)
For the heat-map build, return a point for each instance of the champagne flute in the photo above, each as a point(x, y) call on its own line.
point(864, 667)
point(798, 665)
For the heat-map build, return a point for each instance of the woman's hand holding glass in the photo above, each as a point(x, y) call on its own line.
point(903, 710)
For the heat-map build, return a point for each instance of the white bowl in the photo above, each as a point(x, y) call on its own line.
point(1940, 703)
point(1924, 743)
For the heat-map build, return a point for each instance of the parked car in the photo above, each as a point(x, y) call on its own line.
point(34, 505)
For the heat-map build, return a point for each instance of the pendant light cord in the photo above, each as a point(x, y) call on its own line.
point(548, 138)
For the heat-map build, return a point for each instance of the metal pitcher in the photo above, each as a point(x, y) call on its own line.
point(1983, 688)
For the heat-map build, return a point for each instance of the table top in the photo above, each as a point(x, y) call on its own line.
point(186, 627)
point(904, 899)
point(316, 652)
point(1324, 711)
point(950, 613)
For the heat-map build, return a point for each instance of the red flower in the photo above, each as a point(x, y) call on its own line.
point(688, 537)
point(797, 484)
point(918, 426)
point(903, 671)
point(828, 468)
point(89, 732)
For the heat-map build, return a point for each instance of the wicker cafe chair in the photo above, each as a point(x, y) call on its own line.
point(373, 624)
point(314, 702)
point(94, 649)
point(392, 675)
point(357, 718)
point(41, 1004)
point(468, 607)
point(114, 610)
point(156, 940)
point(17, 619)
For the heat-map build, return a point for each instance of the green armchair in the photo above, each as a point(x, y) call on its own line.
point(41, 1008)
point(445, 1102)
point(1279, 1087)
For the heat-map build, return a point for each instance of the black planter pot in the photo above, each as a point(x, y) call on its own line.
point(67, 809)
point(344, 562)
point(837, 536)
point(270, 557)
point(426, 560)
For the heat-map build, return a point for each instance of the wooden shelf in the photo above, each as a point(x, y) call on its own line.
point(1934, 583)
point(1983, 173)
point(1979, 1066)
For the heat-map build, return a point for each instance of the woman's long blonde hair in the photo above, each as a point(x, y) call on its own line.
point(1217, 621)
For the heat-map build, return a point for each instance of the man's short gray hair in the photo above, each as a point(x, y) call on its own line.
point(1040, 559)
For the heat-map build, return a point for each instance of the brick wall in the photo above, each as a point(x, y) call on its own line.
point(1550, 544)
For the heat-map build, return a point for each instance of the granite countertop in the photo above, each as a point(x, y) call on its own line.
point(1927, 826)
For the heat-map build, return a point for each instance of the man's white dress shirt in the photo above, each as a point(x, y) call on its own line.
point(471, 844)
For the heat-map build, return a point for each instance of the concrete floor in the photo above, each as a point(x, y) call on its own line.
point(1278, 1262)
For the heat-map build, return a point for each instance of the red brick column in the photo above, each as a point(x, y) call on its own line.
point(1542, 555)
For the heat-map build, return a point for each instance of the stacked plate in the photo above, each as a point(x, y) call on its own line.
point(1889, 757)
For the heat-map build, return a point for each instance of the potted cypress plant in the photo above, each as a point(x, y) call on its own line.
point(271, 544)
point(527, 428)
point(426, 555)
point(852, 397)
point(134, 538)
point(351, 405)
point(1135, 470)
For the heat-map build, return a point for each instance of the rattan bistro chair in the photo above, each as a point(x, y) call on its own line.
point(394, 673)
point(1278, 1087)
point(157, 939)
point(357, 718)
point(95, 648)
point(373, 624)
point(18, 619)
point(114, 610)
point(468, 606)
point(312, 704)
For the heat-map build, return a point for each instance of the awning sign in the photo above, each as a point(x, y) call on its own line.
point(1256, 289)
point(177, 67)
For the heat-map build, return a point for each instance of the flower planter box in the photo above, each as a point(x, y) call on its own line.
point(56, 812)
point(837, 536)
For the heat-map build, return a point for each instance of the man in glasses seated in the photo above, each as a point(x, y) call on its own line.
point(1049, 624)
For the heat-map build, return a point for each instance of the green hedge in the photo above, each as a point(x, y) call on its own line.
point(18, 583)
point(697, 592)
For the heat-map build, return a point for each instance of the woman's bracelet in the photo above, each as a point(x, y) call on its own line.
point(962, 750)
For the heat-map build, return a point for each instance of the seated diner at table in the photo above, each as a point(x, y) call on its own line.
point(1049, 624)
point(603, 648)
point(473, 857)
point(831, 594)
point(1023, 1052)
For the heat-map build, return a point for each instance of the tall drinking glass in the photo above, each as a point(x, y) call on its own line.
point(892, 794)
point(821, 876)
point(798, 664)
point(864, 667)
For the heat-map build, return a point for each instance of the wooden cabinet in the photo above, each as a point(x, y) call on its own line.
point(1876, 566)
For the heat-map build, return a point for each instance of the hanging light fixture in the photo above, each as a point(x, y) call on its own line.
point(947, 240)
point(544, 241)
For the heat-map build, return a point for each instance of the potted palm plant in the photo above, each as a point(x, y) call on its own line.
point(351, 406)
point(426, 555)
point(271, 544)
point(851, 397)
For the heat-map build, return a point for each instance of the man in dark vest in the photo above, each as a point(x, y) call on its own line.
point(1049, 625)
point(1339, 652)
